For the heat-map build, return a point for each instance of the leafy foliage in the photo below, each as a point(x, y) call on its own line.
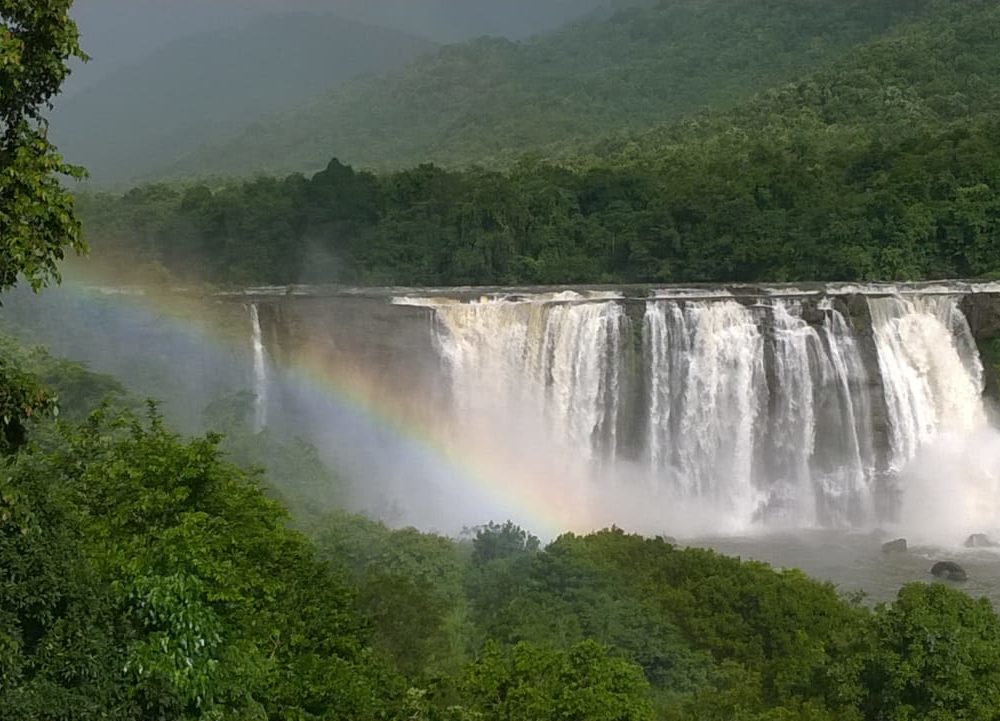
point(527, 681)
point(22, 399)
point(936, 657)
point(37, 39)
point(216, 608)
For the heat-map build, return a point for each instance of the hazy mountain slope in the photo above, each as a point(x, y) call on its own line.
point(210, 85)
point(491, 100)
point(941, 70)
point(460, 20)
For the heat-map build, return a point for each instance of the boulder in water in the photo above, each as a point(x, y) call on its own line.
point(980, 540)
point(897, 546)
point(949, 570)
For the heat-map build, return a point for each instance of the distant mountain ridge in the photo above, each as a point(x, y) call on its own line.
point(881, 164)
point(210, 85)
point(941, 69)
point(490, 101)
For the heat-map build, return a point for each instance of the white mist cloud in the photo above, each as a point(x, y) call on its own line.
point(952, 489)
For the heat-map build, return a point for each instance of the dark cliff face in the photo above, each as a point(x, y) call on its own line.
point(361, 344)
point(390, 341)
point(983, 313)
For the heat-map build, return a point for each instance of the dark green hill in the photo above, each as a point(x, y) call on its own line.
point(883, 165)
point(208, 86)
point(491, 100)
point(930, 75)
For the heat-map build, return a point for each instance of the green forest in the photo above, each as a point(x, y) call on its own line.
point(883, 165)
point(491, 100)
point(149, 575)
point(146, 575)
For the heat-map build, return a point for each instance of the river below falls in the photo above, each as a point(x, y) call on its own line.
point(856, 562)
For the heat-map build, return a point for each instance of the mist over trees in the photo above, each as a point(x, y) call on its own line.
point(490, 101)
point(122, 32)
point(210, 85)
point(878, 165)
point(166, 78)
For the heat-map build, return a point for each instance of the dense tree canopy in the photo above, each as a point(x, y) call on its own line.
point(773, 206)
point(490, 100)
point(881, 164)
point(144, 576)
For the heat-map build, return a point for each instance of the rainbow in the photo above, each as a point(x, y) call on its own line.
point(473, 461)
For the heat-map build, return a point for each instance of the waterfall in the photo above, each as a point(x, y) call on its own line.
point(758, 423)
point(930, 370)
point(558, 361)
point(845, 456)
point(771, 409)
point(706, 381)
point(260, 379)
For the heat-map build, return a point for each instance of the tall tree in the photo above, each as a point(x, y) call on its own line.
point(37, 223)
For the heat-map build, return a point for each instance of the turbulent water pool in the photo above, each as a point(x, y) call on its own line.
point(856, 562)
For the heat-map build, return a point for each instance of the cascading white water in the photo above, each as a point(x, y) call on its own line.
point(931, 373)
point(706, 381)
point(761, 411)
point(559, 361)
point(718, 427)
point(800, 366)
point(846, 456)
point(260, 380)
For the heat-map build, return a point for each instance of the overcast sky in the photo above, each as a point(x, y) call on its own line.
point(118, 32)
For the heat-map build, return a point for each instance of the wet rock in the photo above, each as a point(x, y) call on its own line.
point(896, 546)
point(812, 315)
point(980, 540)
point(983, 312)
point(949, 570)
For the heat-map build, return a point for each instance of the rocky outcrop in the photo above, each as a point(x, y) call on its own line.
point(980, 540)
point(949, 570)
point(983, 312)
point(896, 546)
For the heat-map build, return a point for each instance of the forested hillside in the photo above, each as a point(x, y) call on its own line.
point(119, 33)
point(943, 69)
point(211, 85)
point(491, 100)
point(461, 20)
point(146, 576)
point(883, 165)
